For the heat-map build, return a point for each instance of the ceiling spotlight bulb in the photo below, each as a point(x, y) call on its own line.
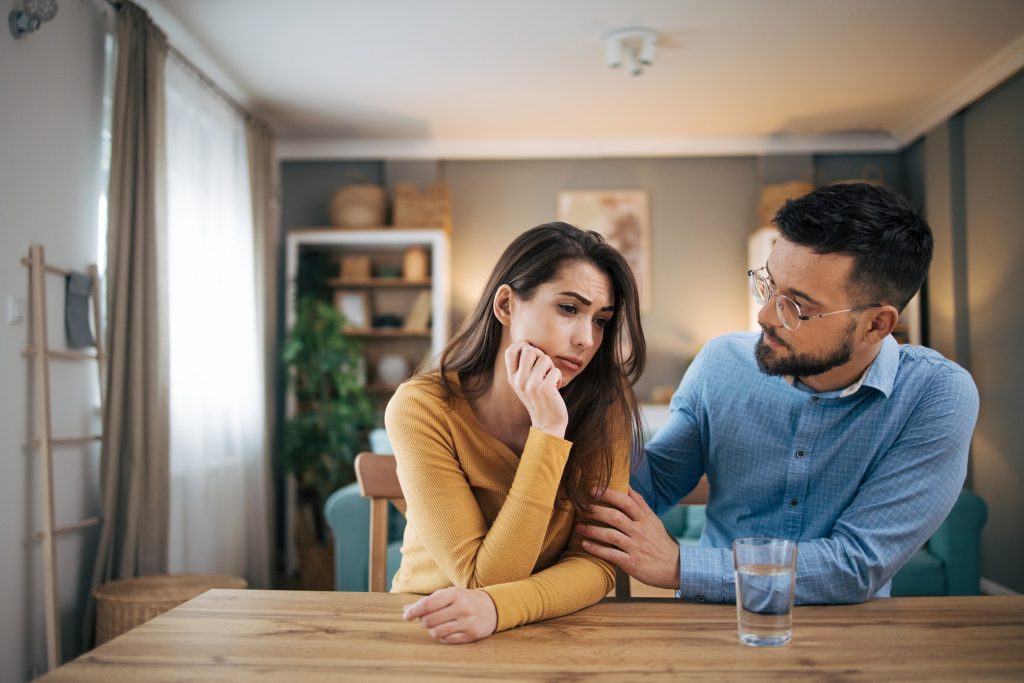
point(632, 63)
point(649, 49)
point(636, 47)
point(613, 53)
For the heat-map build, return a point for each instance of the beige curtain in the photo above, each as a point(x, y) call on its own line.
point(134, 469)
point(260, 146)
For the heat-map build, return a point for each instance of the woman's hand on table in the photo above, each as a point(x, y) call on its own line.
point(455, 615)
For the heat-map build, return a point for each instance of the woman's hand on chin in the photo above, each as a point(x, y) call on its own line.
point(536, 381)
point(455, 615)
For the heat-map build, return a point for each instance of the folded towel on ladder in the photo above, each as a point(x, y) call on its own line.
point(76, 310)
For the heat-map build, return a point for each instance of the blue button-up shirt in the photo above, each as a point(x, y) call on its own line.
point(860, 479)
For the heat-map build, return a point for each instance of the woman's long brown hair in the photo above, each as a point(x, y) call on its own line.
point(600, 400)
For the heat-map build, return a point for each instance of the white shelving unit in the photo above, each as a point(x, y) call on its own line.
point(376, 242)
point(384, 246)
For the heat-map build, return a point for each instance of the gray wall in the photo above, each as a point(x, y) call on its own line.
point(51, 84)
point(307, 186)
point(993, 152)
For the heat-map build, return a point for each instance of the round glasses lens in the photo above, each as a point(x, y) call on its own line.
point(789, 313)
point(759, 288)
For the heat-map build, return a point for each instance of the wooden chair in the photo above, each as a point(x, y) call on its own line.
point(378, 481)
point(698, 496)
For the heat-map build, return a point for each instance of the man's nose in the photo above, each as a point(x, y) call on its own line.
point(767, 314)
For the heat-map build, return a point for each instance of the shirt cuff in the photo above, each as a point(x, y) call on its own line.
point(706, 574)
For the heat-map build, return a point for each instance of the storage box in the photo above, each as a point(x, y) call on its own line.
point(430, 208)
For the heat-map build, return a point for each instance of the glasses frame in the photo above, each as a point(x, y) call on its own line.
point(756, 277)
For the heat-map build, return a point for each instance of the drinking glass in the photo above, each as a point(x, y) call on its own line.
point(765, 588)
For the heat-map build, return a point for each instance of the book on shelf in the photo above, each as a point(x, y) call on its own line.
point(418, 318)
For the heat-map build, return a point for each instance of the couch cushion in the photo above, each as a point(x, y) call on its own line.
point(923, 574)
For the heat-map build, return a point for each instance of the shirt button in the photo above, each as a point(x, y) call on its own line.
point(794, 502)
point(800, 453)
point(815, 398)
point(699, 598)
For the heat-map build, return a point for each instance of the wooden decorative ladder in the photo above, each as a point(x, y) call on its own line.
point(40, 354)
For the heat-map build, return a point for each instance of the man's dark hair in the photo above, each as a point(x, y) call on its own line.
point(889, 240)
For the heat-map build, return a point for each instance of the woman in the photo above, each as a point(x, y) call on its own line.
point(531, 410)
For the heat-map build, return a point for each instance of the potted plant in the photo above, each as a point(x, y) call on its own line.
point(331, 417)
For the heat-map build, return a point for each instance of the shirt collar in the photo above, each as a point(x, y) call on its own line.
point(880, 374)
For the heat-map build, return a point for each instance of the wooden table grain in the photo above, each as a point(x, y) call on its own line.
point(238, 635)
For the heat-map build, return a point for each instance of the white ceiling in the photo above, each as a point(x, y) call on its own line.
point(513, 78)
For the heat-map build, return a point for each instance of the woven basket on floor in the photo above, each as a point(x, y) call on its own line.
point(123, 605)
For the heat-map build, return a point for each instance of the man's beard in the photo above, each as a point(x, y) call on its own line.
point(802, 365)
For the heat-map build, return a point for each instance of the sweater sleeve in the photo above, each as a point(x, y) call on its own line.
point(448, 519)
point(576, 581)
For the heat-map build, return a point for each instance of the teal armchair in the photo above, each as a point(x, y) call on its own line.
point(950, 563)
point(348, 515)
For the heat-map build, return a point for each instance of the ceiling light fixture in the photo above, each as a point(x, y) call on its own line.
point(634, 47)
point(33, 13)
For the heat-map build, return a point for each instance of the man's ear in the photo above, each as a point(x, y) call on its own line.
point(502, 305)
point(882, 322)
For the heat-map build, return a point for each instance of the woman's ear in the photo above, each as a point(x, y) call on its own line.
point(882, 322)
point(502, 305)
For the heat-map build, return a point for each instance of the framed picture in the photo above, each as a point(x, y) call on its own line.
point(355, 306)
point(621, 216)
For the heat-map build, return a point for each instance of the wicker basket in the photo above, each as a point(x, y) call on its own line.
point(358, 206)
point(123, 605)
point(431, 208)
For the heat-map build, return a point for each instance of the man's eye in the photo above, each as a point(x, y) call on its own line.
point(568, 308)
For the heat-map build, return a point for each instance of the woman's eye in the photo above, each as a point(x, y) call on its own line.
point(601, 322)
point(568, 308)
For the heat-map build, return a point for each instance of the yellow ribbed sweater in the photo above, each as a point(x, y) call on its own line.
point(480, 517)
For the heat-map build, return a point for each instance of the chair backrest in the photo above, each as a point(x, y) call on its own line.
point(698, 496)
point(378, 480)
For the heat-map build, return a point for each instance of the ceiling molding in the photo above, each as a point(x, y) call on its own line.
point(967, 90)
point(590, 148)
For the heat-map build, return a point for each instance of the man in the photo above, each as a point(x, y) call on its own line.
point(820, 428)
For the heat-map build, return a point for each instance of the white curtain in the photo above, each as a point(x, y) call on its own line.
point(219, 520)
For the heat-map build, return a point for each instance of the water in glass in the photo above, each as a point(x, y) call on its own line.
point(764, 603)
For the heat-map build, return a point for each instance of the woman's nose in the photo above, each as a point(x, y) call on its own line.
point(584, 334)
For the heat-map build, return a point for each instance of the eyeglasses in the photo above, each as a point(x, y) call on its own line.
point(787, 309)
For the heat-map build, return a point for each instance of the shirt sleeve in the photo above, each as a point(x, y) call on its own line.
point(896, 510)
point(438, 496)
point(671, 464)
point(576, 580)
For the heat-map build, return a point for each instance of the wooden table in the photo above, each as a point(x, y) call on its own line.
point(237, 635)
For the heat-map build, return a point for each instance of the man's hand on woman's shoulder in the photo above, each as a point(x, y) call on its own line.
point(634, 538)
